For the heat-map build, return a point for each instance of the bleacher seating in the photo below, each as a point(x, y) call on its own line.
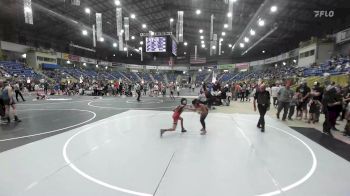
point(159, 77)
point(201, 76)
point(144, 76)
point(129, 75)
point(116, 75)
point(335, 66)
point(172, 77)
point(19, 69)
point(226, 76)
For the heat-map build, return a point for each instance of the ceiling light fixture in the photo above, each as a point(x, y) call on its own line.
point(229, 14)
point(114, 45)
point(252, 32)
point(185, 43)
point(246, 39)
point(261, 22)
point(84, 32)
point(225, 26)
point(200, 30)
point(87, 10)
point(132, 16)
point(201, 37)
point(223, 33)
point(171, 19)
point(241, 45)
point(198, 12)
point(273, 9)
point(117, 2)
point(132, 37)
point(144, 26)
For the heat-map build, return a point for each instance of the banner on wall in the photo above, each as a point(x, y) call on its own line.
point(74, 58)
point(164, 68)
point(196, 68)
point(104, 63)
point(88, 60)
point(151, 67)
point(343, 36)
point(182, 68)
point(130, 66)
point(227, 66)
point(256, 63)
point(242, 66)
point(65, 56)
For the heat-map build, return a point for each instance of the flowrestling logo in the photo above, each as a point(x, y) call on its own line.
point(324, 13)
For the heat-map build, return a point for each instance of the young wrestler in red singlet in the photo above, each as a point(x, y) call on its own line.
point(176, 117)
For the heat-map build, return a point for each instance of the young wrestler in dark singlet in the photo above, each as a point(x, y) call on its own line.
point(203, 111)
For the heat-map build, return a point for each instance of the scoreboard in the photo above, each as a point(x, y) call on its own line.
point(161, 46)
point(156, 44)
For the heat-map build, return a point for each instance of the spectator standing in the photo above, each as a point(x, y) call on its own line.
point(262, 97)
point(292, 106)
point(237, 91)
point(18, 91)
point(285, 95)
point(138, 91)
point(317, 94)
point(46, 86)
point(329, 102)
point(304, 90)
point(243, 91)
point(274, 94)
point(233, 90)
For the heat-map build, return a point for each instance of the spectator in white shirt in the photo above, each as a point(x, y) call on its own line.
point(274, 93)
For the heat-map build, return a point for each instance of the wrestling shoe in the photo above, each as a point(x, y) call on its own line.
point(17, 120)
point(162, 132)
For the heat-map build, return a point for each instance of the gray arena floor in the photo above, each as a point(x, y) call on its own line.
point(111, 146)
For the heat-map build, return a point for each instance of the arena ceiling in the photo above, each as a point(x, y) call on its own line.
point(294, 19)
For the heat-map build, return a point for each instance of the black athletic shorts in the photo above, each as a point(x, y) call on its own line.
point(7, 102)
